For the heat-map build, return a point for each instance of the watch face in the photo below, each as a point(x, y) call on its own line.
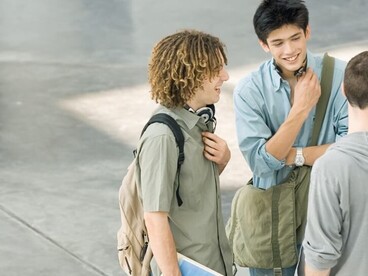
point(299, 160)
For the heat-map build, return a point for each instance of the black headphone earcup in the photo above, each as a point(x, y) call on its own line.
point(207, 113)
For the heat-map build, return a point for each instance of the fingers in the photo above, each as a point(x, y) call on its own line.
point(308, 76)
point(308, 85)
point(215, 148)
point(210, 156)
point(213, 143)
point(210, 135)
point(210, 139)
point(221, 157)
point(307, 92)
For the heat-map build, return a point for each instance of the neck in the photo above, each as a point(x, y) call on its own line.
point(193, 105)
point(291, 76)
point(358, 119)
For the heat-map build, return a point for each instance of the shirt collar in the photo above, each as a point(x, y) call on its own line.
point(190, 119)
point(180, 114)
point(275, 76)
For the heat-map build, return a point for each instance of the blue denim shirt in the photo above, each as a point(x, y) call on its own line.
point(262, 103)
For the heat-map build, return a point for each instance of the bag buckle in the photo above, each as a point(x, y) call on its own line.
point(277, 271)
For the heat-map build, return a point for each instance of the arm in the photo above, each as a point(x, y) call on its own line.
point(309, 271)
point(162, 242)
point(266, 127)
point(311, 154)
point(339, 120)
point(216, 150)
point(323, 241)
point(157, 161)
point(306, 94)
point(253, 126)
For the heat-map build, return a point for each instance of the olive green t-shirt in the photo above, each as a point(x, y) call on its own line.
point(197, 225)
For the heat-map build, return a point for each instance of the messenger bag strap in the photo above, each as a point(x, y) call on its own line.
point(326, 86)
point(277, 264)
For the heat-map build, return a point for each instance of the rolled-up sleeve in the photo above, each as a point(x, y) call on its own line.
point(253, 132)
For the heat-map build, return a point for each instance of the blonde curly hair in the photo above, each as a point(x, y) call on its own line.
point(180, 63)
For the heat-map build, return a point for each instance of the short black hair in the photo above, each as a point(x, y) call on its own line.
point(274, 14)
point(356, 80)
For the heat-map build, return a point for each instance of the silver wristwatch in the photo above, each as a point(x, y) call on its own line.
point(299, 158)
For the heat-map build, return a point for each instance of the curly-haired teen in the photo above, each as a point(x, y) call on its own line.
point(186, 73)
point(181, 62)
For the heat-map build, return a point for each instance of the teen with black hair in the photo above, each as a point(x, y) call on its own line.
point(275, 105)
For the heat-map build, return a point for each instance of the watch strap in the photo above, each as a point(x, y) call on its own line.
point(299, 158)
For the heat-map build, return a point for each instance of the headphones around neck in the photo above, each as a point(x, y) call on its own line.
point(206, 112)
point(297, 73)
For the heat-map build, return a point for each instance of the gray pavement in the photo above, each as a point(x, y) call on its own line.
point(74, 96)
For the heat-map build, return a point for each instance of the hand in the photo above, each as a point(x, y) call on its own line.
point(216, 149)
point(307, 92)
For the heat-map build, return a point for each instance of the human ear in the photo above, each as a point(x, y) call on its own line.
point(343, 89)
point(308, 32)
point(264, 46)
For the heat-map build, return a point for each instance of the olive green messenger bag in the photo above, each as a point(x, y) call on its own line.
point(266, 226)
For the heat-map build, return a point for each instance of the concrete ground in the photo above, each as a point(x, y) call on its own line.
point(73, 99)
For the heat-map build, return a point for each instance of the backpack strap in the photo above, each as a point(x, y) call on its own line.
point(326, 86)
point(179, 138)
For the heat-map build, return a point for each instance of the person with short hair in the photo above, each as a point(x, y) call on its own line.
point(275, 105)
point(336, 240)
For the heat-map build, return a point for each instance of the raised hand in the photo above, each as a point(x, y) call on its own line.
point(307, 92)
point(216, 150)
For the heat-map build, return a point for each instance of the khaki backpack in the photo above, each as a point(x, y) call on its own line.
point(134, 251)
